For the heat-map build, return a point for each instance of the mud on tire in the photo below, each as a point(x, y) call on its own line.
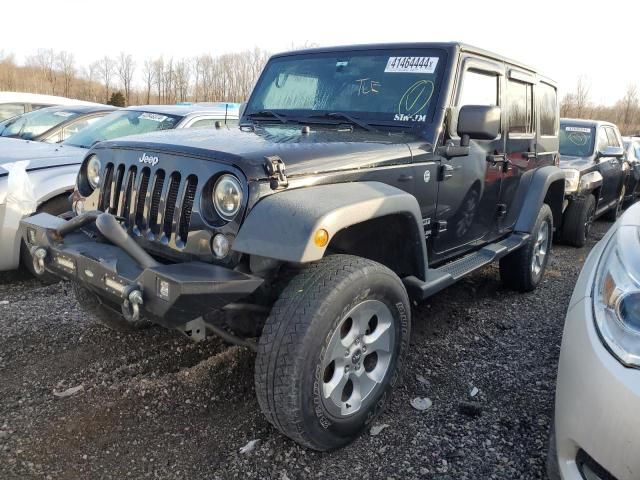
point(310, 322)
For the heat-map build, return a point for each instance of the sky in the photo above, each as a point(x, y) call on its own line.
point(564, 40)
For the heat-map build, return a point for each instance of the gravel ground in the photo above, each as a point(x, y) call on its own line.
point(156, 405)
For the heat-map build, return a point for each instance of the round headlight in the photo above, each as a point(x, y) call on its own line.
point(227, 196)
point(93, 172)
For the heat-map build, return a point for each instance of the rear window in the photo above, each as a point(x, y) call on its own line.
point(576, 140)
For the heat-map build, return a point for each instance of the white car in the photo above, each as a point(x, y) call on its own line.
point(597, 409)
point(17, 103)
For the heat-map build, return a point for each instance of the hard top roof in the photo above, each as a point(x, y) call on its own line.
point(449, 46)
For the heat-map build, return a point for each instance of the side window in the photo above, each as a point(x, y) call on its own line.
point(74, 128)
point(603, 140)
point(548, 107)
point(478, 88)
point(8, 110)
point(519, 109)
point(614, 141)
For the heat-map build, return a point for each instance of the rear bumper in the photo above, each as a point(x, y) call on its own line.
point(172, 294)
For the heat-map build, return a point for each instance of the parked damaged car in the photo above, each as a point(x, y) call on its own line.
point(361, 179)
point(39, 177)
point(592, 158)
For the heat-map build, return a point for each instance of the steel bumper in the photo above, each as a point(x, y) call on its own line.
point(171, 294)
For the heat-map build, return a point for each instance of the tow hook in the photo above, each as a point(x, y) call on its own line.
point(131, 304)
point(38, 254)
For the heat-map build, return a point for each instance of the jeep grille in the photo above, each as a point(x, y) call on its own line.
point(154, 203)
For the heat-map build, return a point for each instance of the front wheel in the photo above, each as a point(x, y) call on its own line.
point(523, 269)
point(332, 350)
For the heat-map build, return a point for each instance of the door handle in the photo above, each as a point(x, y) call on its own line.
point(405, 178)
point(497, 158)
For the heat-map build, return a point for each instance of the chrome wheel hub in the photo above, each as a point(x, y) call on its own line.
point(357, 357)
point(540, 248)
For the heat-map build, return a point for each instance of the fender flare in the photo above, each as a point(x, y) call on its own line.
point(536, 194)
point(282, 225)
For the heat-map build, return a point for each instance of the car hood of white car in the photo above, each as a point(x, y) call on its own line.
point(39, 154)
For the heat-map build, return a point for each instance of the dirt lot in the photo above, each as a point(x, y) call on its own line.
point(156, 405)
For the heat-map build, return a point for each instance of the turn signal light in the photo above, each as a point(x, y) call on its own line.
point(321, 238)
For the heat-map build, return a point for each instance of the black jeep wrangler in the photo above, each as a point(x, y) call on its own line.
point(360, 179)
point(591, 155)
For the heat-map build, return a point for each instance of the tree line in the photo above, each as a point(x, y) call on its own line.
point(625, 112)
point(124, 81)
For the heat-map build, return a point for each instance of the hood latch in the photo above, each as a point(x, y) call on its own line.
point(275, 169)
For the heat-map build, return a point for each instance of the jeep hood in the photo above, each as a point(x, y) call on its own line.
point(577, 163)
point(39, 154)
point(322, 150)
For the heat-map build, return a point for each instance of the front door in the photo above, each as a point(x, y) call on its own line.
point(469, 186)
point(609, 167)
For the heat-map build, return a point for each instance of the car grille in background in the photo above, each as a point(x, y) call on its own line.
point(153, 203)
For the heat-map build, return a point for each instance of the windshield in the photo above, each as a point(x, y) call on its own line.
point(32, 124)
point(380, 87)
point(576, 141)
point(122, 124)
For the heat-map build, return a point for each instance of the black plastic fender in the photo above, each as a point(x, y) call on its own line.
point(282, 226)
point(545, 184)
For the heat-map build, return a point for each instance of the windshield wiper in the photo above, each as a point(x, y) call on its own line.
point(349, 118)
point(268, 113)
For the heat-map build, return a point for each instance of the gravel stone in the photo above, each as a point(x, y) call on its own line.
point(136, 387)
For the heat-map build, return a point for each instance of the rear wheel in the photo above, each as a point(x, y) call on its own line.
point(523, 269)
point(105, 313)
point(578, 220)
point(331, 350)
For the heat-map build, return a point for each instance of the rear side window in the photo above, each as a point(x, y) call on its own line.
point(614, 140)
point(478, 89)
point(520, 107)
point(548, 107)
point(8, 110)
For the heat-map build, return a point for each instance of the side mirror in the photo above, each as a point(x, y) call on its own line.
point(617, 152)
point(478, 122)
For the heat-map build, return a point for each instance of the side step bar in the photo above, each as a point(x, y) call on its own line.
point(450, 273)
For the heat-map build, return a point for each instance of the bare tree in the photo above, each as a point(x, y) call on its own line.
point(630, 105)
point(105, 71)
point(148, 70)
point(582, 96)
point(66, 65)
point(126, 67)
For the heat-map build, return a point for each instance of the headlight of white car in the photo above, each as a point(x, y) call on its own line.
point(227, 196)
point(571, 180)
point(616, 295)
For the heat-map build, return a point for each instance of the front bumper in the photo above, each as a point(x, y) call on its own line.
point(597, 398)
point(172, 294)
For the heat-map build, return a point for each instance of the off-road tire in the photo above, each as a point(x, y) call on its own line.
point(105, 313)
point(516, 269)
point(56, 206)
point(578, 219)
point(295, 340)
point(613, 214)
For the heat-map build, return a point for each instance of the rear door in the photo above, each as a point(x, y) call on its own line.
point(469, 186)
point(521, 145)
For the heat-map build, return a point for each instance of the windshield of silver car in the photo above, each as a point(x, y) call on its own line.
point(120, 124)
